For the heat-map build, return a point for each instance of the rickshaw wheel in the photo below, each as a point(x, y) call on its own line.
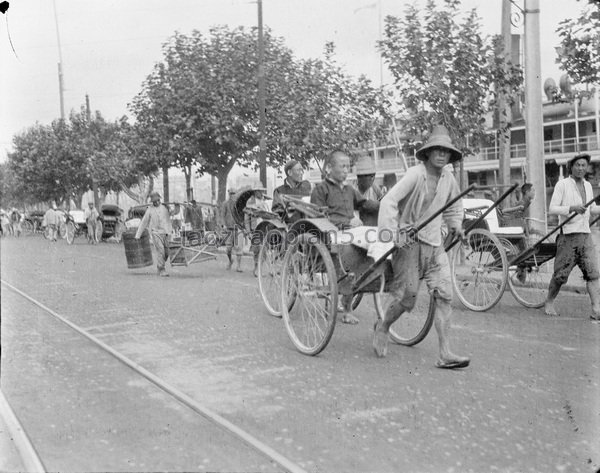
point(309, 278)
point(527, 283)
point(27, 227)
point(412, 327)
point(62, 230)
point(479, 270)
point(270, 265)
point(70, 233)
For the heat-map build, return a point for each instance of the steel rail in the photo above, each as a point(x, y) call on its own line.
point(29, 457)
point(183, 398)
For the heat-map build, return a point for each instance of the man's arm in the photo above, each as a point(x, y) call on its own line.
point(388, 206)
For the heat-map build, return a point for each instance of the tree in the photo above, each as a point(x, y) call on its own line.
point(445, 72)
point(579, 52)
point(326, 109)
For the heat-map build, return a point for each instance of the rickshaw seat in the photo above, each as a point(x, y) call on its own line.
point(491, 219)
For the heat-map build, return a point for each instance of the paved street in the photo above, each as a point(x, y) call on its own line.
point(529, 402)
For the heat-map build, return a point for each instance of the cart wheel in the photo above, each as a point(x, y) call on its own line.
point(528, 283)
point(99, 230)
point(412, 327)
point(70, 233)
point(309, 278)
point(62, 230)
point(270, 264)
point(480, 270)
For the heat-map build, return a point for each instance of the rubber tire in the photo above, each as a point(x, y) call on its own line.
point(272, 302)
point(475, 238)
point(310, 244)
point(70, 237)
point(419, 320)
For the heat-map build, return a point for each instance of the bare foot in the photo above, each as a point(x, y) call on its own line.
point(380, 341)
point(549, 309)
point(348, 318)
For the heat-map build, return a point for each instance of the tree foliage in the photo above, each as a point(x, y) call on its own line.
point(445, 71)
point(579, 52)
point(201, 103)
point(63, 160)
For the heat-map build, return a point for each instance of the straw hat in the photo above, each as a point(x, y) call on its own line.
point(364, 166)
point(439, 138)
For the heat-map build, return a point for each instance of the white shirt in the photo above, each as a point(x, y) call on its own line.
point(564, 196)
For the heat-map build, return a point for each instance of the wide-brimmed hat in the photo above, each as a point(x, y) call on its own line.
point(155, 196)
point(577, 157)
point(364, 166)
point(439, 138)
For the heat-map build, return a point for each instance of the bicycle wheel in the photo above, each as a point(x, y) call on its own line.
point(70, 233)
point(270, 264)
point(528, 282)
point(309, 278)
point(479, 270)
point(412, 327)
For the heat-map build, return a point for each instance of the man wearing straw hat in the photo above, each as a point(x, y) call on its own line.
point(366, 187)
point(158, 221)
point(574, 244)
point(424, 190)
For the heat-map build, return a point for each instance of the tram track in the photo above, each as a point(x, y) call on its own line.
point(214, 418)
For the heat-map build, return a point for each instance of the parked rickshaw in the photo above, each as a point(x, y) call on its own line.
point(76, 226)
point(495, 256)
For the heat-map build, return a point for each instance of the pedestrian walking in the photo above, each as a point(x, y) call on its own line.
point(194, 217)
point(91, 217)
point(422, 191)
point(234, 240)
point(157, 219)
point(51, 221)
point(15, 222)
point(574, 244)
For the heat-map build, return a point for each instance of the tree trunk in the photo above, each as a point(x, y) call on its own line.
point(165, 171)
point(189, 191)
point(222, 176)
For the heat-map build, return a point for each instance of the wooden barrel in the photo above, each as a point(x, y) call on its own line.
point(137, 252)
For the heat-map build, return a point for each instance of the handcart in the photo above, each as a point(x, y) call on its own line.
point(321, 263)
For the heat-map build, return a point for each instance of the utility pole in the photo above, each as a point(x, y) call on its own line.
point(533, 115)
point(61, 85)
point(88, 115)
point(504, 111)
point(261, 99)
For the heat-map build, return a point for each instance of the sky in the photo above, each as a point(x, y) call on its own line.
point(109, 47)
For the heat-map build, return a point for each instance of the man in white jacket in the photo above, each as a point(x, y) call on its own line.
point(574, 244)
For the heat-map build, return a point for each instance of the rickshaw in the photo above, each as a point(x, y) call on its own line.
point(77, 226)
point(495, 256)
point(321, 263)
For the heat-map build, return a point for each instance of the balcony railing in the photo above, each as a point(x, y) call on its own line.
point(567, 145)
